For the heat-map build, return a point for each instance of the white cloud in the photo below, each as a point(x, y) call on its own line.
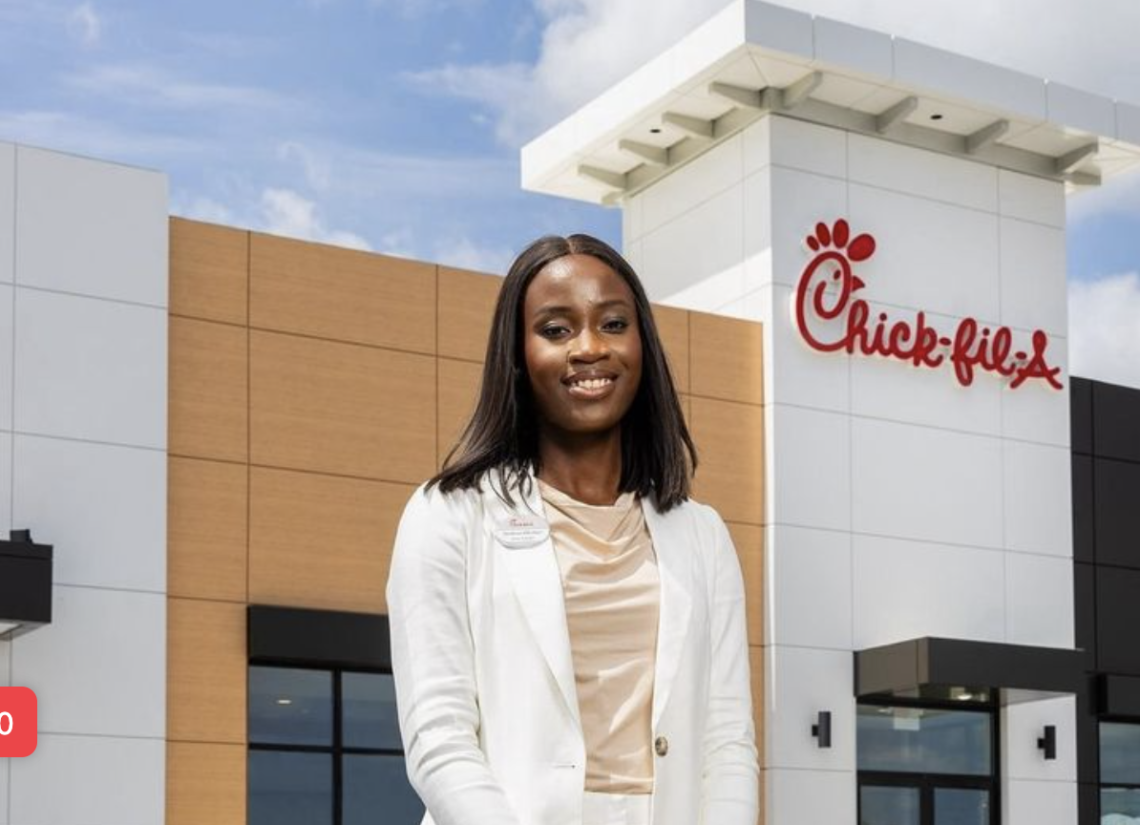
point(588, 45)
point(1104, 329)
point(85, 25)
point(466, 254)
point(152, 86)
point(285, 212)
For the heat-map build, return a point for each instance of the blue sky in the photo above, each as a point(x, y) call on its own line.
point(395, 124)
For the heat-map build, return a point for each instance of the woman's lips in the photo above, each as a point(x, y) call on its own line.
point(591, 389)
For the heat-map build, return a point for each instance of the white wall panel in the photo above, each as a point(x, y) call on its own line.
point(801, 797)
point(797, 374)
point(888, 165)
point(102, 506)
point(1033, 289)
point(810, 459)
point(7, 211)
point(908, 589)
point(1039, 600)
point(1075, 109)
point(804, 200)
point(7, 333)
point(89, 368)
point(929, 255)
point(1031, 199)
point(757, 229)
point(893, 389)
point(780, 29)
point(925, 483)
point(842, 44)
point(6, 484)
point(1038, 498)
point(694, 261)
point(703, 178)
point(100, 666)
point(1035, 411)
point(756, 145)
point(90, 780)
point(1026, 802)
point(797, 144)
point(815, 566)
point(1023, 724)
point(801, 682)
point(91, 228)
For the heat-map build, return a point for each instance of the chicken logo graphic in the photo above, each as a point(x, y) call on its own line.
point(831, 318)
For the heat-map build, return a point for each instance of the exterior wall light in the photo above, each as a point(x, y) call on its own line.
point(1048, 742)
point(25, 584)
point(821, 730)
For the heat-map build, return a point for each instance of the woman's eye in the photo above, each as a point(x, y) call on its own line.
point(552, 331)
point(616, 325)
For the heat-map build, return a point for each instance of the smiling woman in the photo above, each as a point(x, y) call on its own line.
point(568, 630)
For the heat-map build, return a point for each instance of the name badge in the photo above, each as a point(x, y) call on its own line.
point(519, 532)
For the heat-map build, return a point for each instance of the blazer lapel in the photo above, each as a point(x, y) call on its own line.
point(534, 575)
point(674, 563)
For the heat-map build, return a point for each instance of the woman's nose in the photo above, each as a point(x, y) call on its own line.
point(589, 346)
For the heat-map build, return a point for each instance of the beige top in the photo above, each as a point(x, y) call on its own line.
point(612, 593)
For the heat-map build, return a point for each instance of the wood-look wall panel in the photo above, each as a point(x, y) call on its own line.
point(730, 440)
point(749, 542)
point(206, 671)
point(206, 524)
point(726, 358)
point(673, 327)
point(208, 390)
point(209, 271)
point(459, 383)
point(205, 783)
point(322, 542)
point(342, 408)
point(466, 303)
point(341, 294)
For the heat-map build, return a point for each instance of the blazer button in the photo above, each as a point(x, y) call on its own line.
point(661, 746)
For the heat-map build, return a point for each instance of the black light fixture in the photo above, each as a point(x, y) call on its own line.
point(25, 584)
point(821, 730)
point(1048, 742)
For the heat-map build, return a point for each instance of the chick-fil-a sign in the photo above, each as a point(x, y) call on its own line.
point(826, 292)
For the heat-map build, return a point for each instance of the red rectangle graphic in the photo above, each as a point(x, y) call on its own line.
point(18, 722)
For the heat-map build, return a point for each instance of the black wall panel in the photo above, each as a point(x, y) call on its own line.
point(1116, 422)
point(1118, 620)
point(1116, 504)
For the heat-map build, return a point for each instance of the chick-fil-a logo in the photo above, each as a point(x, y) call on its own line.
point(827, 290)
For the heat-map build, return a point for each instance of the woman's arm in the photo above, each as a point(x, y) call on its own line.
point(730, 786)
point(433, 662)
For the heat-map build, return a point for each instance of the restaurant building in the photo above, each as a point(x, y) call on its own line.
point(856, 249)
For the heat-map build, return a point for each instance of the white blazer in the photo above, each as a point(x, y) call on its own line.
point(485, 682)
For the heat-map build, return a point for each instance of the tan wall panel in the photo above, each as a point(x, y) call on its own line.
point(206, 671)
point(342, 408)
point(205, 783)
point(749, 541)
point(206, 529)
point(466, 303)
point(322, 542)
point(730, 441)
point(458, 390)
point(341, 294)
point(208, 390)
point(673, 327)
point(209, 271)
point(726, 358)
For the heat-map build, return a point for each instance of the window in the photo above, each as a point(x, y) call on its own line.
point(927, 764)
point(324, 749)
point(1119, 773)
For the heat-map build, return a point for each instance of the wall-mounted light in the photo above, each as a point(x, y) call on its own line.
point(1048, 742)
point(25, 584)
point(821, 730)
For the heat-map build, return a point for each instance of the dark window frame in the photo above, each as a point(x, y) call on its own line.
point(927, 783)
point(336, 749)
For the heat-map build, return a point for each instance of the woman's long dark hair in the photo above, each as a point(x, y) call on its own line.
point(657, 452)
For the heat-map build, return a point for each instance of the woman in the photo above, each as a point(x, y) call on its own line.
point(568, 632)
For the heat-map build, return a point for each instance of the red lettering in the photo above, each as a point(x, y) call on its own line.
point(919, 344)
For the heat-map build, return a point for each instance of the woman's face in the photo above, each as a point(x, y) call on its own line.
point(582, 345)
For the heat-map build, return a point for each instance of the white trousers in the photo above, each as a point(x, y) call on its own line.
point(616, 809)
